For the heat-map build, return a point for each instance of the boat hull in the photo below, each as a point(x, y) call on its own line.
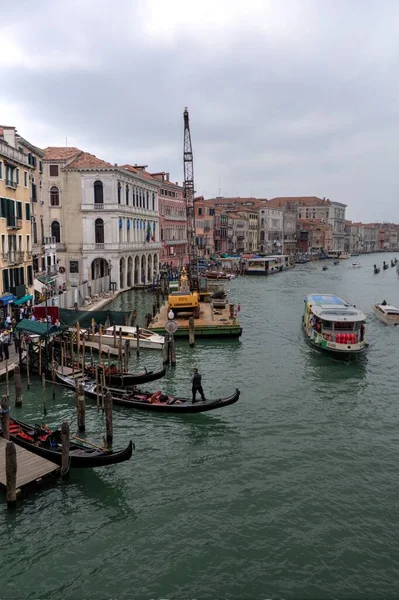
point(127, 379)
point(334, 348)
point(108, 340)
point(385, 319)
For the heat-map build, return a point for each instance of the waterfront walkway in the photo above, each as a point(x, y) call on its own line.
point(30, 467)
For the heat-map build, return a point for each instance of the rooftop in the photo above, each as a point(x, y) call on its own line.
point(60, 153)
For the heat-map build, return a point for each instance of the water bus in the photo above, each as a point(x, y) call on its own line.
point(333, 325)
point(268, 265)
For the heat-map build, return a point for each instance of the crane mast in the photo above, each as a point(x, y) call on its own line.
point(189, 199)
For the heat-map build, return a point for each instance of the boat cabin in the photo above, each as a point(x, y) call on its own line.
point(335, 319)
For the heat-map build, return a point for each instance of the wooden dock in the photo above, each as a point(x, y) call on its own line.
point(213, 322)
point(31, 468)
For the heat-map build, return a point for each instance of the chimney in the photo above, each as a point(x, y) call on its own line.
point(9, 136)
point(167, 176)
point(176, 182)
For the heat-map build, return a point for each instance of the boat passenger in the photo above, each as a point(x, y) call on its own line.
point(384, 303)
point(362, 331)
point(197, 386)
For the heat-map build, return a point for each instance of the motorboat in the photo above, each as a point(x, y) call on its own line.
point(332, 324)
point(343, 256)
point(148, 340)
point(386, 313)
point(356, 265)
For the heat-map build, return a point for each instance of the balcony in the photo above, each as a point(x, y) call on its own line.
point(16, 225)
point(122, 246)
point(13, 154)
point(13, 257)
point(175, 242)
point(11, 184)
point(133, 211)
point(49, 244)
point(60, 247)
point(175, 218)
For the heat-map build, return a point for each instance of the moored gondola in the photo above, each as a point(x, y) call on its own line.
point(45, 442)
point(143, 400)
point(116, 378)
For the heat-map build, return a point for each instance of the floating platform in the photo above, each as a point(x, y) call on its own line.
point(212, 323)
point(31, 468)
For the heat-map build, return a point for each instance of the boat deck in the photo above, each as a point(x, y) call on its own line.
point(30, 467)
point(212, 322)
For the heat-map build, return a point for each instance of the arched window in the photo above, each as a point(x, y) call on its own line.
point(119, 192)
point(56, 231)
point(262, 236)
point(99, 231)
point(98, 192)
point(54, 196)
point(127, 194)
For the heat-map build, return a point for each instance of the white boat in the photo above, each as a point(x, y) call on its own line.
point(148, 339)
point(386, 313)
point(344, 255)
point(333, 325)
point(268, 265)
point(356, 265)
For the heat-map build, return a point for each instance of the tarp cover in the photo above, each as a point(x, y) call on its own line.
point(84, 317)
point(36, 328)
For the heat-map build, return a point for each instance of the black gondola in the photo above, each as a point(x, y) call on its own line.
point(376, 270)
point(118, 379)
point(385, 266)
point(47, 443)
point(141, 400)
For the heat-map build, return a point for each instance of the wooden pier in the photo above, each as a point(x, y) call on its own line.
point(31, 468)
point(105, 348)
point(213, 322)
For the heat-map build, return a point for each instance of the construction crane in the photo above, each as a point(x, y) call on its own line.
point(189, 199)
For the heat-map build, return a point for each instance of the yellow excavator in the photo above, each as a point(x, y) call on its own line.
point(184, 300)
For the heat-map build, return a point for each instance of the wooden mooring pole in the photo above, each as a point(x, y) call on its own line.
point(44, 393)
point(138, 340)
point(11, 475)
point(191, 330)
point(27, 366)
point(18, 386)
point(108, 417)
point(7, 385)
point(172, 350)
point(81, 408)
point(65, 450)
point(126, 356)
point(97, 389)
point(165, 350)
point(5, 417)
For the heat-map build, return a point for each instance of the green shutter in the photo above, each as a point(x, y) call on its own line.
point(27, 210)
point(19, 210)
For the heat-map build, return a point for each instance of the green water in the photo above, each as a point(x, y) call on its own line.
point(290, 493)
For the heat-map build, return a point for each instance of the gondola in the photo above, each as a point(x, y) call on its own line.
point(119, 379)
point(45, 442)
point(385, 266)
point(143, 400)
point(376, 270)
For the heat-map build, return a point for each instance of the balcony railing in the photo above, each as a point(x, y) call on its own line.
point(11, 184)
point(175, 218)
point(175, 242)
point(17, 224)
point(122, 246)
point(60, 247)
point(134, 211)
point(14, 154)
point(14, 256)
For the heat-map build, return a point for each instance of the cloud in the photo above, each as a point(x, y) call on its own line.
point(285, 97)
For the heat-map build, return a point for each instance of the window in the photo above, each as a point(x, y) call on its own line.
point(199, 211)
point(53, 170)
point(56, 231)
point(17, 176)
point(19, 210)
point(54, 196)
point(30, 275)
point(153, 200)
point(28, 243)
point(127, 194)
point(25, 178)
point(119, 192)
point(99, 231)
point(74, 266)
point(211, 212)
point(98, 192)
point(1, 170)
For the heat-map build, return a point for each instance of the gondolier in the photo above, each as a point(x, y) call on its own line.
point(197, 386)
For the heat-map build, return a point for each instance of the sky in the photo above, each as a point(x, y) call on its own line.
point(286, 97)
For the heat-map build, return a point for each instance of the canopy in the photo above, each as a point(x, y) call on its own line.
point(36, 328)
point(7, 298)
point(83, 317)
point(23, 300)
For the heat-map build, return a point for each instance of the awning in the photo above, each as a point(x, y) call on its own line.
point(7, 298)
point(23, 300)
point(36, 328)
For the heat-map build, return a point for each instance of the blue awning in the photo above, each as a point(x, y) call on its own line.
point(23, 300)
point(7, 298)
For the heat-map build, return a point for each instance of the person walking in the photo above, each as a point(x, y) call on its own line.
point(5, 340)
point(197, 386)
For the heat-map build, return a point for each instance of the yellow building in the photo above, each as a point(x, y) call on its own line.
point(16, 166)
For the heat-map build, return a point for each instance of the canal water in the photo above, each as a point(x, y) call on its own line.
point(290, 493)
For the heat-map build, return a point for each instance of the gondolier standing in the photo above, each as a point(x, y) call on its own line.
point(197, 386)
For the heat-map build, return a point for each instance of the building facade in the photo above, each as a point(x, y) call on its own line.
point(271, 225)
point(104, 219)
point(336, 218)
point(172, 221)
point(204, 227)
point(15, 216)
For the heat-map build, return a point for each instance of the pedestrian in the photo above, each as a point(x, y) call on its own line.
point(197, 386)
point(21, 313)
point(5, 340)
point(8, 321)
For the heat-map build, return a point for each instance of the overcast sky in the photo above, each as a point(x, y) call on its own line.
point(285, 97)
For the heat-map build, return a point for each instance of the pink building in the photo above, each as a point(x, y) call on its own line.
point(172, 221)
